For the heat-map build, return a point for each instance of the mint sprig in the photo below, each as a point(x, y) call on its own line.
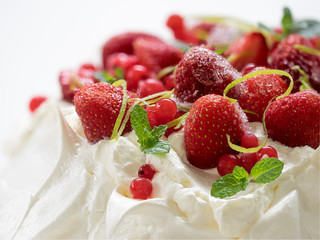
point(148, 138)
point(264, 171)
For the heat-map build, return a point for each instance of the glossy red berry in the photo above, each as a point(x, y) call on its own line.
point(35, 102)
point(166, 110)
point(141, 188)
point(146, 171)
point(149, 87)
point(168, 82)
point(226, 164)
point(249, 140)
point(134, 75)
point(269, 151)
point(152, 116)
point(248, 160)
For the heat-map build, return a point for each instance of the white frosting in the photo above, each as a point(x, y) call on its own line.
point(57, 185)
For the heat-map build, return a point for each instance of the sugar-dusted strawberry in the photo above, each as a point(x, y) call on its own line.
point(202, 71)
point(155, 54)
point(121, 43)
point(98, 107)
point(210, 119)
point(249, 48)
point(294, 120)
point(258, 91)
point(286, 55)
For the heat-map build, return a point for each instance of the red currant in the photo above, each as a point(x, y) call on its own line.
point(141, 188)
point(146, 171)
point(169, 82)
point(149, 87)
point(171, 130)
point(267, 150)
point(248, 160)
point(166, 110)
point(249, 140)
point(121, 60)
point(134, 75)
point(35, 102)
point(152, 116)
point(226, 164)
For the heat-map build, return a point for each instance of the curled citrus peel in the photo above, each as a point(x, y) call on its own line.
point(165, 71)
point(245, 77)
point(307, 49)
point(305, 83)
point(114, 135)
point(176, 123)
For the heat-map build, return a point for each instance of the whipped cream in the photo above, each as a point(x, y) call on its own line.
point(57, 185)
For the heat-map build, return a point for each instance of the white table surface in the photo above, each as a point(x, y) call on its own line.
point(38, 38)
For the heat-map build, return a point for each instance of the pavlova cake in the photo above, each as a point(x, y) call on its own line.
point(215, 136)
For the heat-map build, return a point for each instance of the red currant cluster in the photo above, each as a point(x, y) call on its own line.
point(141, 187)
point(71, 81)
point(227, 162)
point(164, 111)
point(139, 79)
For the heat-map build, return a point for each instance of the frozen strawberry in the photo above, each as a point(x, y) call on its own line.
point(285, 56)
point(98, 107)
point(210, 119)
point(202, 71)
point(121, 43)
point(294, 120)
point(249, 48)
point(258, 91)
point(156, 54)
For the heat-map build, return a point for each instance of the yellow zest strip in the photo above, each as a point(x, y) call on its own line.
point(114, 135)
point(156, 97)
point(178, 121)
point(307, 49)
point(254, 74)
point(305, 83)
point(248, 111)
point(166, 71)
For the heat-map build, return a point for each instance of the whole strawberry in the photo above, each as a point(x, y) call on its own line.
point(285, 56)
point(294, 120)
point(210, 119)
point(258, 91)
point(202, 71)
point(98, 106)
point(121, 43)
point(249, 48)
point(156, 54)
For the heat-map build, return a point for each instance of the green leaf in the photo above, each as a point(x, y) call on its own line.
point(105, 77)
point(148, 138)
point(228, 185)
point(119, 72)
point(240, 173)
point(287, 21)
point(266, 170)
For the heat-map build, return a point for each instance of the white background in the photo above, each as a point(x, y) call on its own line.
point(38, 38)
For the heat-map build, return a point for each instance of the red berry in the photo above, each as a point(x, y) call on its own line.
point(152, 116)
point(226, 164)
point(249, 140)
point(210, 119)
point(149, 87)
point(35, 102)
point(98, 106)
point(87, 70)
point(135, 74)
point(294, 120)
point(166, 110)
point(146, 171)
point(141, 188)
point(120, 60)
point(169, 82)
point(268, 150)
point(248, 160)
point(171, 130)
point(202, 71)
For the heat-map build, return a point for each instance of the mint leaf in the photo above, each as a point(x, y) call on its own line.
point(105, 77)
point(228, 185)
point(240, 173)
point(148, 138)
point(287, 22)
point(266, 170)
